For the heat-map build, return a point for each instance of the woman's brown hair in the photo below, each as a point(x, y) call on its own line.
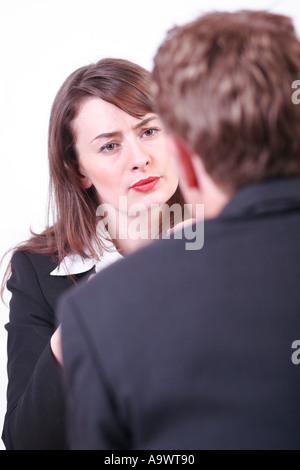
point(71, 207)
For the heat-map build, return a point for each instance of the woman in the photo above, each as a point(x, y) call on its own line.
point(108, 156)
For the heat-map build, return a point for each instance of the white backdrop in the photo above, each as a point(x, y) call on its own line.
point(42, 42)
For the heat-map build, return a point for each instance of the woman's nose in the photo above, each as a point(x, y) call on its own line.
point(140, 158)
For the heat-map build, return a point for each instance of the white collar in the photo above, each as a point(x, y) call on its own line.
point(75, 264)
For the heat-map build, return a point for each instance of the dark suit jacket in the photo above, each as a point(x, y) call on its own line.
point(35, 417)
point(177, 349)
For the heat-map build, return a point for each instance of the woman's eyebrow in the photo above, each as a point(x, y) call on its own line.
point(108, 135)
point(145, 121)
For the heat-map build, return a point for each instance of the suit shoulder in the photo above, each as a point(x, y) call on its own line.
point(29, 272)
point(25, 260)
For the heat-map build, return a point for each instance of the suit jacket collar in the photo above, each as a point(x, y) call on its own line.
point(267, 197)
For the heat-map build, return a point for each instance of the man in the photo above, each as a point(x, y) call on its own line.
point(197, 349)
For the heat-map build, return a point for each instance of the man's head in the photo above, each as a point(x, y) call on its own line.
point(224, 88)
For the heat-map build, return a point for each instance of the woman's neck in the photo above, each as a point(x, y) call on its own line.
point(132, 232)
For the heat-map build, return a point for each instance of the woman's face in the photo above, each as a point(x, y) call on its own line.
point(123, 156)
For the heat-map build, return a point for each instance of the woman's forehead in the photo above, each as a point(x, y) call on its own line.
point(97, 117)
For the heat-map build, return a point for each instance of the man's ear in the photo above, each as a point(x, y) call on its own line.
point(184, 162)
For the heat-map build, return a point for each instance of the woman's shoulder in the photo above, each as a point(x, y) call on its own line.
point(31, 276)
point(26, 260)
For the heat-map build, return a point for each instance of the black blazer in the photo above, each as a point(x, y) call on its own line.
point(176, 349)
point(35, 417)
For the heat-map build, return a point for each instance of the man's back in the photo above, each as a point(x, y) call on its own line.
point(194, 349)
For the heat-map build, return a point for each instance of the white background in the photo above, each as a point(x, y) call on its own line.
point(41, 43)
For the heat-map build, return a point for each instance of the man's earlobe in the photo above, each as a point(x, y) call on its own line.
point(185, 163)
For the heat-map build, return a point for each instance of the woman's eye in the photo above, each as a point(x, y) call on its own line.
point(107, 148)
point(150, 132)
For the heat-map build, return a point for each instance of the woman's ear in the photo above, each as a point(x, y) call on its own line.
point(85, 181)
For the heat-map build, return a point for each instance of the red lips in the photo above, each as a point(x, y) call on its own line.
point(145, 184)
